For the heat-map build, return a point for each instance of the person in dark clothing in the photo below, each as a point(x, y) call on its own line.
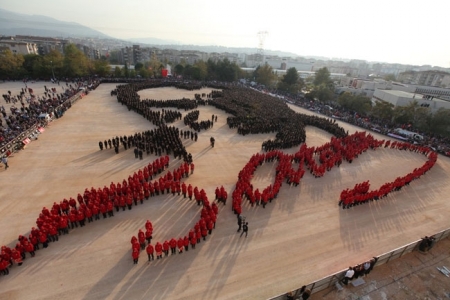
point(244, 229)
point(239, 223)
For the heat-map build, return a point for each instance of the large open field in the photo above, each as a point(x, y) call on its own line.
point(300, 237)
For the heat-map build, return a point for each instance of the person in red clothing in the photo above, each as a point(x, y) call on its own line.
point(158, 250)
point(16, 257)
point(173, 246)
point(149, 251)
point(135, 255)
point(204, 233)
point(192, 168)
point(190, 191)
point(166, 247)
point(29, 248)
point(186, 243)
point(193, 241)
point(180, 244)
point(43, 239)
point(141, 237)
point(148, 235)
point(4, 267)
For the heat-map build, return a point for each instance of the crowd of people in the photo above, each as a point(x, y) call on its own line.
point(161, 140)
point(319, 160)
point(95, 204)
point(190, 119)
point(254, 112)
point(360, 194)
point(360, 270)
point(30, 106)
point(160, 249)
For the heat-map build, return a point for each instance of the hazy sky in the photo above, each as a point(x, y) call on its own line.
point(395, 31)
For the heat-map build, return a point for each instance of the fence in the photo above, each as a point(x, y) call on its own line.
point(331, 280)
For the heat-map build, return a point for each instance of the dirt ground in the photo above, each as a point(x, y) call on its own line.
point(300, 237)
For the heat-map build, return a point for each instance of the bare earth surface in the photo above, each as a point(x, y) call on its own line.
point(300, 237)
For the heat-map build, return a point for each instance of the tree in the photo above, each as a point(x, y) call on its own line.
point(440, 122)
point(10, 64)
point(322, 77)
point(200, 70)
point(76, 64)
point(359, 104)
point(114, 57)
point(264, 75)
point(291, 76)
point(154, 66)
point(291, 82)
point(179, 69)
point(383, 110)
point(322, 92)
point(138, 66)
point(29, 61)
point(101, 67)
point(117, 72)
point(389, 77)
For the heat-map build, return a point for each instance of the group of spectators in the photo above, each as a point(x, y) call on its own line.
point(29, 113)
point(360, 270)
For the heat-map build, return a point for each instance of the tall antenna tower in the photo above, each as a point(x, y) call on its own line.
point(262, 37)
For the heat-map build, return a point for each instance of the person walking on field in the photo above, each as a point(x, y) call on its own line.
point(244, 229)
point(5, 162)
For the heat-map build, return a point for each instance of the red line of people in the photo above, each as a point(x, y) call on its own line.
point(318, 160)
point(202, 228)
point(360, 193)
point(69, 214)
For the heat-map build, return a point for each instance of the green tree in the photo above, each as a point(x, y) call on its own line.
point(322, 92)
point(29, 61)
point(144, 73)
point(138, 66)
point(291, 76)
point(390, 77)
point(179, 69)
point(359, 104)
point(383, 110)
point(11, 64)
point(117, 72)
point(102, 67)
point(201, 70)
point(125, 71)
point(322, 77)
point(440, 122)
point(75, 62)
point(264, 75)
point(114, 57)
point(291, 82)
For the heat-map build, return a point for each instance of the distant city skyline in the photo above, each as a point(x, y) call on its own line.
point(386, 31)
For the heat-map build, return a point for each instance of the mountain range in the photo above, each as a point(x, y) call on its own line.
point(12, 23)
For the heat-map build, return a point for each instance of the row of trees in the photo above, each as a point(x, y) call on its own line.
point(420, 117)
point(72, 64)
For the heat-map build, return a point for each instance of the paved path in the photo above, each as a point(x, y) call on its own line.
point(299, 238)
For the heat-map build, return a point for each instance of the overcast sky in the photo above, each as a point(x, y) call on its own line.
point(394, 31)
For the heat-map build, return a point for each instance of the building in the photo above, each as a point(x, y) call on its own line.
point(426, 78)
point(18, 47)
point(402, 98)
point(45, 44)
